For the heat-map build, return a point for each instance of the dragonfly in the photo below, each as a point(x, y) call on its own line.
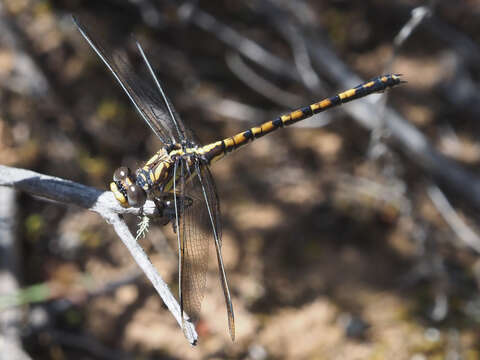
point(178, 178)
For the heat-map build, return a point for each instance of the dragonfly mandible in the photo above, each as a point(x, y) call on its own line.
point(177, 178)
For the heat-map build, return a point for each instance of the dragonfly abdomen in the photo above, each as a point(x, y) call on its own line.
point(215, 151)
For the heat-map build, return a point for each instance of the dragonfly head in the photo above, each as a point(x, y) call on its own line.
point(125, 189)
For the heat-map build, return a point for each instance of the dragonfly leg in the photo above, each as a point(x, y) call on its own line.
point(166, 207)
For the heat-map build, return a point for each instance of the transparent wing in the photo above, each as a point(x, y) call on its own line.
point(198, 210)
point(212, 206)
point(146, 99)
point(194, 239)
point(182, 131)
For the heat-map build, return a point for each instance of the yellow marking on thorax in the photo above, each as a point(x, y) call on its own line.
point(176, 152)
point(152, 175)
point(169, 185)
point(162, 170)
point(158, 156)
point(145, 181)
point(159, 170)
point(153, 159)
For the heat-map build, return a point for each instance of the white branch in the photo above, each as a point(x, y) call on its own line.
point(103, 203)
point(464, 233)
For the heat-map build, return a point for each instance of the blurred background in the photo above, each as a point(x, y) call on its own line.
point(351, 236)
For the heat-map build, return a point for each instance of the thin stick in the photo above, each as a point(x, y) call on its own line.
point(463, 232)
point(102, 202)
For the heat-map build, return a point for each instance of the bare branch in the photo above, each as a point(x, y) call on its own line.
point(259, 84)
point(248, 48)
point(10, 319)
point(11, 351)
point(293, 34)
point(301, 57)
point(103, 203)
point(272, 92)
point(417, 17)
point(231, 108)
point(461, 229)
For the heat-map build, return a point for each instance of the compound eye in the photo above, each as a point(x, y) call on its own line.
point(121, 173)
point(136, 196)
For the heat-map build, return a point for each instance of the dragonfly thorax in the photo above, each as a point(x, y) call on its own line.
point(156, 177)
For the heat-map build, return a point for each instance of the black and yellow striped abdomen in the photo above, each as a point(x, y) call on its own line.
point(215, 151)
point(157, 175)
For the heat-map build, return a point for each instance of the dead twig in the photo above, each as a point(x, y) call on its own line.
point(232, 38)
point(103, 203)
point(261, 85)
point(463, 232)
point(293, 33)
point(10, 320)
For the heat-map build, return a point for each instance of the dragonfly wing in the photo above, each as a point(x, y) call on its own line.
point(199, 220)
point(193, 236)
point(212, 206)
point(144, 96)
point(182, 131)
